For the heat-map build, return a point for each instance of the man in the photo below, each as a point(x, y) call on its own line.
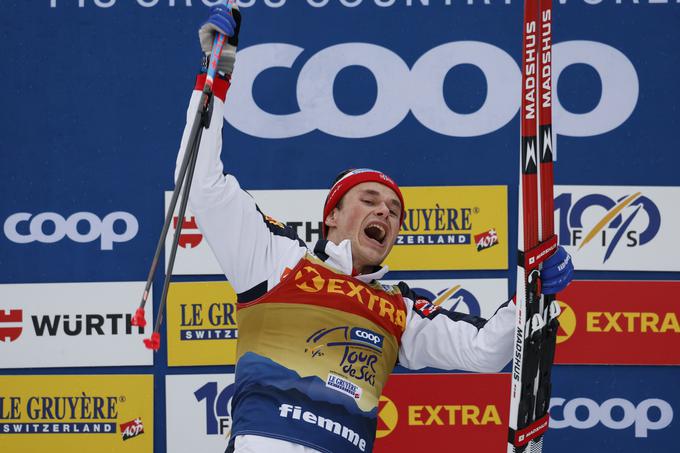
point(318, 333)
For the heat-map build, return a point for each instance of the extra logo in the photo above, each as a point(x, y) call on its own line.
point(83, 227)
point(361, 350)
point(132, 429)
point(218, 417)
point(10, 325)
point(388, 417)
point(610, 224)
point(567, 323)
point(563, 414)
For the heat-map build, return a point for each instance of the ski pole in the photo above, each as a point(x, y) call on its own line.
point(184, 178)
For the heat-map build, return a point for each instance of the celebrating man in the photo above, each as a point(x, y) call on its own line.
point(318, 333)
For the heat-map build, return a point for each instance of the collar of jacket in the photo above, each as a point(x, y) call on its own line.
point(340, 257)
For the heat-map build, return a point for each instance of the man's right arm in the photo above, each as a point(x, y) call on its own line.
point(250, 249)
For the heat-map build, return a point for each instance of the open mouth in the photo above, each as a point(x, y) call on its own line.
point(376, 232)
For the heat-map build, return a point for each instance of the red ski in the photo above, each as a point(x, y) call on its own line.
point(537, 323)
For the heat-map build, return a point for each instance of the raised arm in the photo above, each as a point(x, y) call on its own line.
point(250, 248)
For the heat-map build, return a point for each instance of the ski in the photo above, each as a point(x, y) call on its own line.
point(536, 322)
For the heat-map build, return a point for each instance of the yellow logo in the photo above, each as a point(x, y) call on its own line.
point(202, 327)
point(388, 416)
point(567, 323)
point(316, 280)
point(440, 225)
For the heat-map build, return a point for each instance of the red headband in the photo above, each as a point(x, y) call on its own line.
point(351, 179)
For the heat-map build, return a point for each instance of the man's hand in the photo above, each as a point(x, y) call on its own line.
point(220, 20)
point(557, 273)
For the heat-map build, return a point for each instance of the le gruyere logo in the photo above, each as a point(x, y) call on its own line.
point(72, 414)
point(214, 321)
point(441, 225)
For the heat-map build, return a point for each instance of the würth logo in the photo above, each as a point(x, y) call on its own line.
point(9, 331)
point(188, 239)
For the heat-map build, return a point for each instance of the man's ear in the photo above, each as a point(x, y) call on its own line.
point(331, 220)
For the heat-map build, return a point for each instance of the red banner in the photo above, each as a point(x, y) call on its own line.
point(444, 412)
point(619, 323)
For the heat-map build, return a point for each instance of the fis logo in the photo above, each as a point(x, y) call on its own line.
point(598, 220)
point(190, 237)
point(9, 331)
point(217, 407)
point(132, 429)
point(454, 298)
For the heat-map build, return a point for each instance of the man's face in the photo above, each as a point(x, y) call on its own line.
point(368, 216)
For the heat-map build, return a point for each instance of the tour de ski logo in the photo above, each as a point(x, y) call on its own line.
point(593, 220)
point(10, 325)
point(360, 350)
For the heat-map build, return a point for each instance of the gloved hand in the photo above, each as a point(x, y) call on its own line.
point(228, 24)
point(557, 272)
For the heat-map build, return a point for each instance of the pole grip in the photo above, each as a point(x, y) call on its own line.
point(220, 39)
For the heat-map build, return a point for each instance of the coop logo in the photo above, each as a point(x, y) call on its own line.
point(614, 223)
point(10, 325)
point(190, 237)
point(563, 414)
point(361, 350)
point(82, 227)
point(218, 418)
point(567, 325)
point(132, 429)
point(437, 226)
point(425, 99)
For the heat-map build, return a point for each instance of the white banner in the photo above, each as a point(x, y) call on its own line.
point(478, 297)
point(301, 209)
point(72, 325)
point(619, 228)
point(198, 412)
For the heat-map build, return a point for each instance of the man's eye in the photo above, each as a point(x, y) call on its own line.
point(368, 201)
point(393, 213)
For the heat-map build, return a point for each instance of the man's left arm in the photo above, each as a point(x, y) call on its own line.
point(439, 338)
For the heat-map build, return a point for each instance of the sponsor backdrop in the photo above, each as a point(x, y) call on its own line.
point(94, 101)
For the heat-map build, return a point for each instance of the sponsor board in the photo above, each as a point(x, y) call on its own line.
point(478, 297)
point(619, 322)
point(72, 325)
point(622, 409)
point(440, 226)
point(619, 227)
point(201, 324)
point(444, 228)
point(465, 411)
point(112, 413)
point(198, 412)
point(51, 227)
point(300, 209)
